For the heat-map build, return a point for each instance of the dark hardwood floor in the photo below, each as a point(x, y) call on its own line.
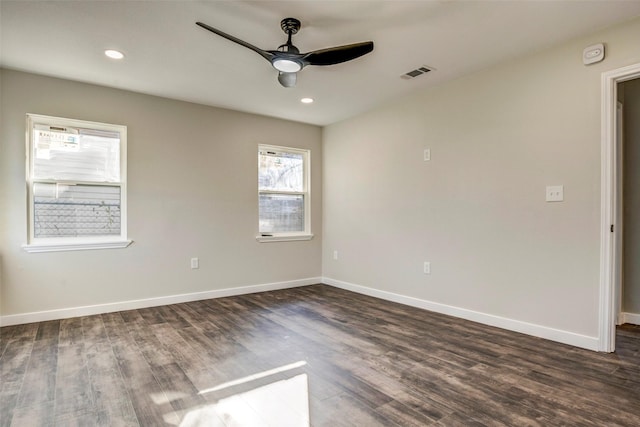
point(316, 356)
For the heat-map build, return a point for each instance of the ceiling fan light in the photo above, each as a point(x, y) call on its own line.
point(287, 65)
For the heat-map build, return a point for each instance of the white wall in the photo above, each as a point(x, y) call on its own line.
point(477, 210)
point(631, 123)
point(172, 147)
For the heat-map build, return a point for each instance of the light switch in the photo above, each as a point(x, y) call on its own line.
point(555, 193)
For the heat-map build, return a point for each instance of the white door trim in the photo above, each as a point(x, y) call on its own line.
point(608, 184)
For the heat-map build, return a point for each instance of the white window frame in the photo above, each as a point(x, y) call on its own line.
point(52, 244)
point(306, 193)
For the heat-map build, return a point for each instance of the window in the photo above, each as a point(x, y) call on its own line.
point(76, 179)
point(283, 193)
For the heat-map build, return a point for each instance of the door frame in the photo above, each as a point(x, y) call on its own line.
point(610, 285)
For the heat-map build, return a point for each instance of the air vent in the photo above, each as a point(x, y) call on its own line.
point(415, 73)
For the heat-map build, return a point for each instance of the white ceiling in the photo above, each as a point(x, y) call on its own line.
point(168, 55)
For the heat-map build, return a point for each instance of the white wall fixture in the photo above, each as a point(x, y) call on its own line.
point(427, 267)
point(427, 154)
point(195, 263)
point(593, 54)
point(555, 193)
point(335, 255)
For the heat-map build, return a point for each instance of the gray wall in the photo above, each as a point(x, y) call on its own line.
point(477, 210)
point(631, 123)
point(192, 182)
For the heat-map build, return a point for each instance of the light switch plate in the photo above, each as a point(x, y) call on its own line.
point(555, 193)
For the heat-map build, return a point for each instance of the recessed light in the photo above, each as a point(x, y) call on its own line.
point(114, 54)
point(306, 100)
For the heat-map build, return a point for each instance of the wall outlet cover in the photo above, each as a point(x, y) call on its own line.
point(555, 193)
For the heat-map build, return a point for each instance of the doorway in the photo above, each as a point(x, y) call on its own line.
point(612, 218)
point(628, 142)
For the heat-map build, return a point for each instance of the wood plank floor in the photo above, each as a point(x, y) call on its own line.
point(315, 355)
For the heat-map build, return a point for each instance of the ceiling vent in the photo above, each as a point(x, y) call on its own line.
point(415, 73)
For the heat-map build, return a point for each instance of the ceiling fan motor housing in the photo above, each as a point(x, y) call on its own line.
point(290, 25)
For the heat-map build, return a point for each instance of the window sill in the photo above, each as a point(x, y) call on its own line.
point(284, 238)
point(58, 247)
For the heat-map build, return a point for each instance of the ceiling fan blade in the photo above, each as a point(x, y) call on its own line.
point(265, 54)
point(287, 79)
point(338, 54)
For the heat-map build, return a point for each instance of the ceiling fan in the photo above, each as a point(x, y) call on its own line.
point(288, 60)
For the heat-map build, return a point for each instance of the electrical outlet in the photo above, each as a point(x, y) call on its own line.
point(195, 263)
point(555, 193)
point(427, 267)
point(335, 255)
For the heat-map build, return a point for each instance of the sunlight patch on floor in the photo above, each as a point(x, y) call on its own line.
point(283, 403)
point(255, 377)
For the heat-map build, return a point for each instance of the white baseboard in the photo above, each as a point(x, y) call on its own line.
point(65, 313)
point(633, 318)
point(565, 337)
